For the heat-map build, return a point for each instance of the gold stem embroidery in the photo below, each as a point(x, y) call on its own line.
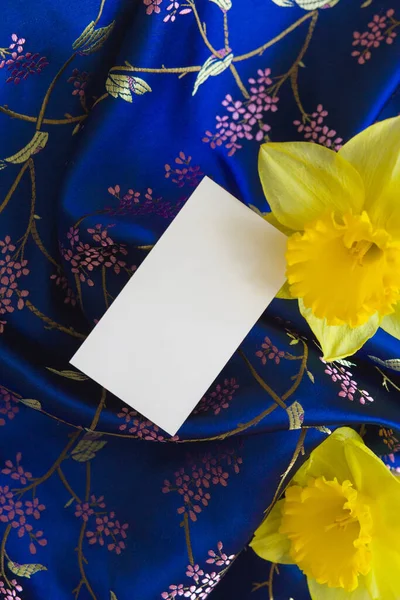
point(185, 525)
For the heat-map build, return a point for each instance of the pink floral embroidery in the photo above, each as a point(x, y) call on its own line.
point(20, 65)
point(138, 425)
point(245, 118)
point(184, 173)
point(153, 6)
point(10, 594)
point(175, 8)
point(8, 405)
point(315, 130)
point(11, 270)
point(136, 203)
point(269, 352)
point(18, 513)
point(203, 472)
point(62, 282)
point(348, 386)
point(203, 582)
point(80, 81)
point(219, 398)
point(84, 258)
point(107, 530)
point(381, 28)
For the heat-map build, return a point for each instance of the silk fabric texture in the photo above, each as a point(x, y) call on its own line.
point(104, 135)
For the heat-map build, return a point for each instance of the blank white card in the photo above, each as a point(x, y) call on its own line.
point(185, 311)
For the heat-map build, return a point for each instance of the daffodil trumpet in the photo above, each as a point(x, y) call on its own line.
point(339, 523)
point(341, 213)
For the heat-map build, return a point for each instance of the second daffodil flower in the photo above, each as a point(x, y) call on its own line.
point(341, 212)
point(339, 523)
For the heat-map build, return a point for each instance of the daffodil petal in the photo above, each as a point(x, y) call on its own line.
point(302, 180)
point(271, 218)
point(268, 543)
point(320, 591)
point(370, 475)
point(383, 582)
point(328, 459)
point(391, 323)
point(374, 480)
point(284, 292)
point(339, 341)
point(375, 153)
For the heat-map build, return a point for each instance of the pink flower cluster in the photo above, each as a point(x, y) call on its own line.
point(174, 8)
point(8, 405)
point(204, 582)
point(21, 65)
point(245, 118)
point(184, 173)
point(84, 258)
point(80, 81)
point(315, 131)
point(202, 474)
point(133, 203)
point(153, 6)
point(379, 29)
point(10, 594)
point(108, 530)
point(138, 425)
point(11, 270)
point(269, 352)
point(62, 282)
point(219, 398)
point(348, 386)
point(19, 513)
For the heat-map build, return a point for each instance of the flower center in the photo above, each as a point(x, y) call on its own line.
point(344, 269)
point(330, 528)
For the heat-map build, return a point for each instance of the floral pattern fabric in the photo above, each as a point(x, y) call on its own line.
point(111, 113)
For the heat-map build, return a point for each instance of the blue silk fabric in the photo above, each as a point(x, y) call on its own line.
point(110, 116)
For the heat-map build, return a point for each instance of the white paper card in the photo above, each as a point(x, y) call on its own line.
point(188, 307)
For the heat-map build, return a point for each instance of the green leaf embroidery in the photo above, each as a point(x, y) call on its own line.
point(295, 413)
point(75, 375)
point(212, 67)
point(25, 570)
point(36, 144)
point(223, 4)
point(366, 3)
point(88, 446)
point(392, 363)
point(311, 376)
point(124, 85)
point(345, 363)
point(92, 39)
point(113, 596)
point(35, 404)
point(70, 501)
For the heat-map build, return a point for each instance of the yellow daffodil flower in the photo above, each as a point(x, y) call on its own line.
point(341, 212)
point(339, 522)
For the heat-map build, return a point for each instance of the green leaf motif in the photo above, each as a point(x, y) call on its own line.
point(212, 67)
point(87, 447)
point(113, 596)
point(75, 375)
point(25, 570)
point(295, 413)
point(391, 363)
point(124, 85)
point(92, 39)
point(223, 4)
point(311, 376)
point(345, 363)
point(36, 144)
point(35, 404)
